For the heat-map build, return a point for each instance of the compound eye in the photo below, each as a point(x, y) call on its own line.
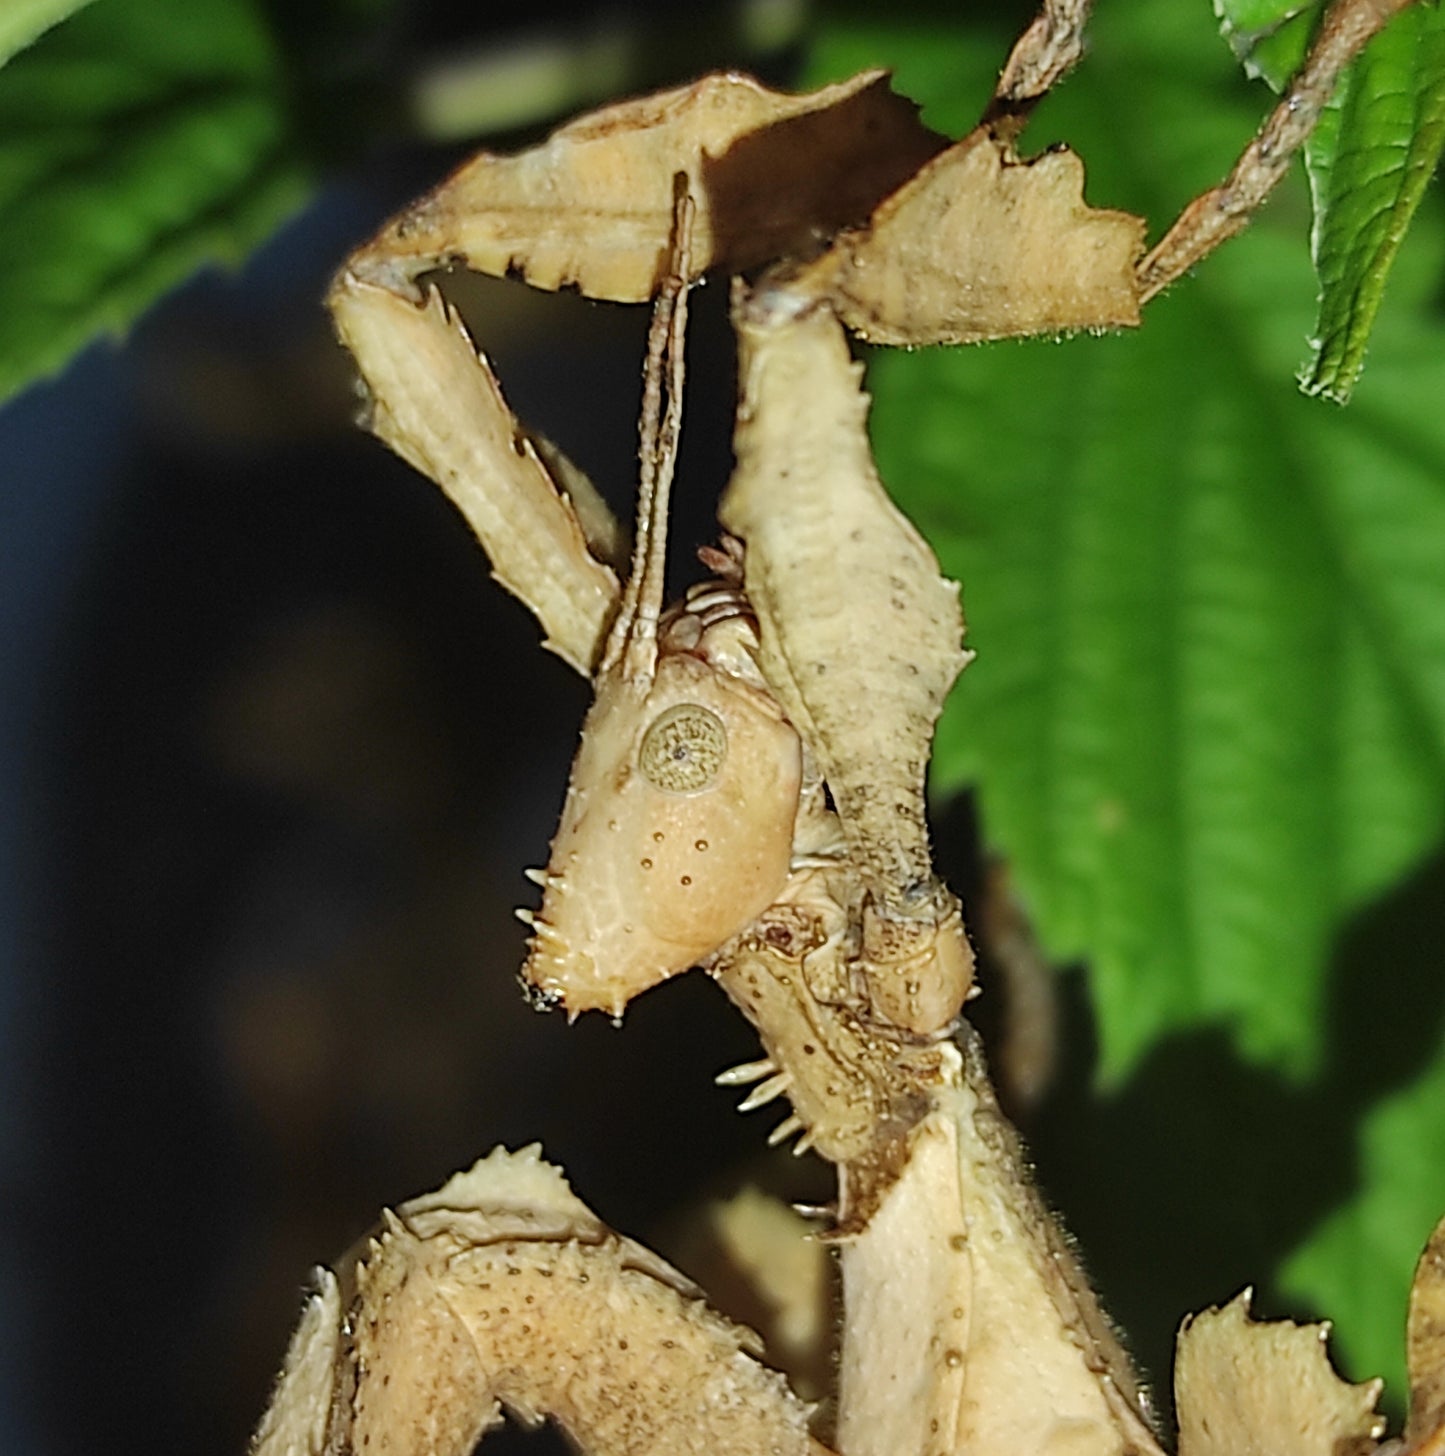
point(683, 751)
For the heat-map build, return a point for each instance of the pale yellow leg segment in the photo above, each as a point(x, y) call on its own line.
point(971, 1330)
point(861, 638)
point(435, 401)
point(502, 1291)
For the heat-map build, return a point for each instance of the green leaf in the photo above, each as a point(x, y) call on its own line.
point(1368, 176)
point(1207, 719)
point(137, 141)
point(1269, 37)
point(22, 21)
point(1369, 161)
point(1208, 715)
point(1358, 1264)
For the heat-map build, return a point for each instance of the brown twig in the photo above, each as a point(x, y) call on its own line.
point(1046, 52)
point(1216, 215)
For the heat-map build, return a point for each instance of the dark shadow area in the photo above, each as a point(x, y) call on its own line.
point(296, 756)
point(295, 750)
point(778, 191)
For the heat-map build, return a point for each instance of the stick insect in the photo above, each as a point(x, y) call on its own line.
point(748, 798)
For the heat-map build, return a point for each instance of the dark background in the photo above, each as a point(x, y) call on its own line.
point(275, 751)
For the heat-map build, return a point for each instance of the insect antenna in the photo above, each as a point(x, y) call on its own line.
point(632, 643)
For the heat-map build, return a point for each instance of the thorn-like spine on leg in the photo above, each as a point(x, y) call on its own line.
point(784, 1130)
point(764, 1092)
point(545, 878)
point(745, 1072)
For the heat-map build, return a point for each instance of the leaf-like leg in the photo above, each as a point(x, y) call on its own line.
point(977, 245)
point(502, 1290)
point(861, 634)
point(986, 1338)
point(296, 1420)
point(1242, 1385)
point(1425, 1350)
point(436, 402)
point(592, 206)
point(861, 638)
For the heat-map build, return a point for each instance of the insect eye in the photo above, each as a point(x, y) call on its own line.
point(683, 751)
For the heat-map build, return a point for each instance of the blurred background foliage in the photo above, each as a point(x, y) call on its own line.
point(275, 749)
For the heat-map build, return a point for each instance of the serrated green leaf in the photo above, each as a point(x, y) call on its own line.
point(22, 21)
point(1208, 716)
point(1368, 175)
point(1269, 37)
point(1357, 1265)
point(1369, 161)
point(138, 140)
point(1207, 719)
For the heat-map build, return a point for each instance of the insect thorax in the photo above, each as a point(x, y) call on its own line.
point(714, 621)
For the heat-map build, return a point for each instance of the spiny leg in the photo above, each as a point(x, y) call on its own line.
point(435, 401)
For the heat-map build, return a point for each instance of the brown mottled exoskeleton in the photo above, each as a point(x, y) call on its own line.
point(748, 797)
